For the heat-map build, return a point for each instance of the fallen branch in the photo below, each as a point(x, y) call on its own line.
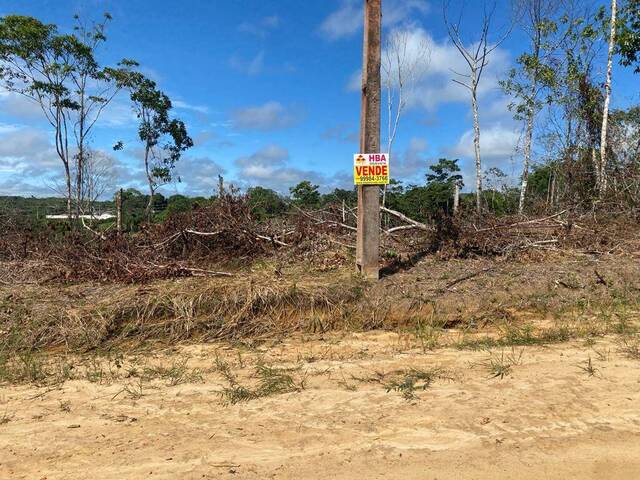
point(464, 278)
point(195, 271)
point(97, 234)
point(517, 224)
point(404, 218)
point(270, 239)
point(203, 234)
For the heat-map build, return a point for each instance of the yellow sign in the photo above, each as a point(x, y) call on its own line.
point(371, 169)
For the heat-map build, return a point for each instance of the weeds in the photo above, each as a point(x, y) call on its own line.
point(631, 347)
point(499, 366)
point(28, 367)
point(589, 368)
point(407, 382)
point(270, 381)
point(176, 374)
point(5, 418)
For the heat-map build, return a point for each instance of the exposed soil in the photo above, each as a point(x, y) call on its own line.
point(553, 415)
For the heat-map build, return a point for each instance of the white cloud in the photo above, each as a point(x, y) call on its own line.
point(269, 116)
point(188, 106)
point(348, 18)
point(269, 167)
point(498, 144)
point(253, 66)
point(261, 27)
point(27, 151)
point(117, 114)
point(413, 162)
point(199, 174)
point(14, 185)
point(436, 63)
point(343, 22)
point(19, 106)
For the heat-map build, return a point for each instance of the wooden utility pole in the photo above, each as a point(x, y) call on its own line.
point(368, 241)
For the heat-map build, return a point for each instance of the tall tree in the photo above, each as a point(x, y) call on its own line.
point(164, 139)
point(404, 58)
point(60, 73)
point(93, 88)
point(476, 55)
point(602, 180)
point(37, 62)
point(532, 76)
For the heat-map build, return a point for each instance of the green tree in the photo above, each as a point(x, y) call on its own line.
point(305, 194)
point(339, 195)
point(265, 203)
point(164, 139)
point(440, 186)
point(133, 208)
point(59, 72)
point(628, 39)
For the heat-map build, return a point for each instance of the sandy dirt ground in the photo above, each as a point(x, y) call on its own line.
point(549, 417)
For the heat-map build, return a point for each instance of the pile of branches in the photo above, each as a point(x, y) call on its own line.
point(222, 233)
point(224, 236)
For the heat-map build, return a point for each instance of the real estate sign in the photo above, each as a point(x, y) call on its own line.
point(371, 169)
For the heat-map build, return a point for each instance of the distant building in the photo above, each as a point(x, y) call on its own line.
point(102, 216)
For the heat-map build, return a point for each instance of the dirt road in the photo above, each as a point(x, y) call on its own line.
point(357, 409)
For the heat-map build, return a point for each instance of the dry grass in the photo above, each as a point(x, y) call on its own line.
point(90, 316)
point(506, 304)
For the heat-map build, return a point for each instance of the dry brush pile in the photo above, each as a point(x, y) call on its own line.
point(224, 238)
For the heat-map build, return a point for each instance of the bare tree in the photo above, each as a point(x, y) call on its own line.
point(404, 59)
point(535, 73)
point(602, 177)
point(98, 178)
point(476, 55)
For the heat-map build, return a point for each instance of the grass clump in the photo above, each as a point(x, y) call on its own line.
point(175, 374)
point(407, 383)
point(270, 381)
point(499, 366)
point(631, 347)
point(589, 368)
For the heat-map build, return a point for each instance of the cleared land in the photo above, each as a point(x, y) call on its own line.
point(350, 411)
point(473, 369)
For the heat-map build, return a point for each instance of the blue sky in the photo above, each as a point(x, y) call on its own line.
point(268, 89)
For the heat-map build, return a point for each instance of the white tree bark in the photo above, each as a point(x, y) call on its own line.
point(476, 56)
point(607, 100)
point(476, 140)
point(525, 163)
point(456, 197)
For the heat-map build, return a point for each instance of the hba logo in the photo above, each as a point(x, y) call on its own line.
point(360, 159)
point(377, 158)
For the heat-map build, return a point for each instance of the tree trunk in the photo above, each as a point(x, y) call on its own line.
point(476, 142)
point(119, 212)
point(80, 158)
point(456, 197)
point(607, 100)
point(69, 193)
point(596, 163)
point(147, 211)
point(527, 158)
